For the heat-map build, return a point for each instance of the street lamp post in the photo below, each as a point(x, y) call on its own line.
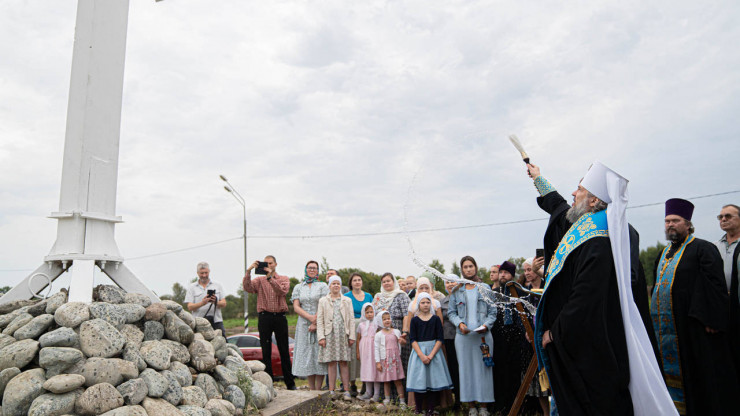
point(240, 199)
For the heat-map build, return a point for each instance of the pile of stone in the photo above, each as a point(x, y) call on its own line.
point(121, 355)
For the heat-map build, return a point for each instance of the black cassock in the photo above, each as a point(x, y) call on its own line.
point(699, 300)
point(734, 328)
point(554, 204)
point(590, 364)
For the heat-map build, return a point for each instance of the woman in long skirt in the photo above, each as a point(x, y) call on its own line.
point(305, 300)
point(473, 317)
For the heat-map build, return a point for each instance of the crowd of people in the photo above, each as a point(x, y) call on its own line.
point(601, 341)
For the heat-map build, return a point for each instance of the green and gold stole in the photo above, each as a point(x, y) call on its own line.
point(665, 327)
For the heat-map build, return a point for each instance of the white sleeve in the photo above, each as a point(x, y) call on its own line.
point(189, 295)
point(377, 346)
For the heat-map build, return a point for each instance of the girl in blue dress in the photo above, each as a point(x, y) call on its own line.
point(428, 373)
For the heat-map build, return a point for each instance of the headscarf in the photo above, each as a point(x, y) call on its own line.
point(414, 305)
point(379, 319)
point(385, 298)
point(307, 278)
point(424, 295)
point(528, 261)
point(362, 314)
point(335, 278)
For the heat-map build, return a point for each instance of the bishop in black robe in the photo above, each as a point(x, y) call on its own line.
point(588, 353)
point(555, 205)
point(700, 301)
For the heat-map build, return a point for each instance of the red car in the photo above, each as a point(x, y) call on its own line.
point(249, 344)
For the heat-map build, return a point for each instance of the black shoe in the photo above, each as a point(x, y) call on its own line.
point(292, 388)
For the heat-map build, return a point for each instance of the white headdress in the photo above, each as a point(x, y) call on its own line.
point(335, 278)
point(424, 295)
point(362, 314)
point(379, 319)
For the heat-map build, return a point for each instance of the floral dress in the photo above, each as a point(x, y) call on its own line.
point(306, 353)
point(337, 346)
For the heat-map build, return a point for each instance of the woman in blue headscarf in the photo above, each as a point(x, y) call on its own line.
point(305, 300)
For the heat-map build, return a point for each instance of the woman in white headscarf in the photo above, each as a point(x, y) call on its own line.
point(394, 300)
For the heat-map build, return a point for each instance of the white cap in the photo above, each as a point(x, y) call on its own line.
point(595, 181)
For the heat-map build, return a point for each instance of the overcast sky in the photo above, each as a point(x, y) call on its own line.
point(321, 113)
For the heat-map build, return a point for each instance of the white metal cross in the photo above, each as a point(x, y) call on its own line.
point(87, 202)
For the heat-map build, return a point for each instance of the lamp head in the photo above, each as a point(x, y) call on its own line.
point(223, 178)
point(227, 189)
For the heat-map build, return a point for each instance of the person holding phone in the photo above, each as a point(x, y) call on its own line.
point(205, 298)
point(271, 289)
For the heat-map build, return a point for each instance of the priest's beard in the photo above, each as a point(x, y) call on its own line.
point(575, 212)
point(673, 236)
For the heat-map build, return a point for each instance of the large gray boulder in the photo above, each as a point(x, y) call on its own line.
point(56, 360)
point(126, 411)
point(189, 410)
point(202, 356)
point(208, 385)
point(17, 323)
point(133, 391)
point(98, 399)
point(156, 354)
point(60, 337)
point(34, 328)
point(18, 354)
point(138, 299)
point(133, 335)
point(173, 306)
point(72, 314)
point(224, 376)
point(194, 396)
point(131, 353)
point(179, 352)
point(160, 407)
point(177, 330)
point(64, 383)
point(132, 312)
point(260, 396)
point(108, 370)
point(156, 383)
point(220, 407)
point(113, 314)
point(21, 391)
point(7, 375)
point(182, 373)
point(6, 340)
point(99, 338)
point(109, 294)
point(236, 396)
point(256, 366)
point(173, 394)
point(153, 331)
point(54, 404)
point(54, 301)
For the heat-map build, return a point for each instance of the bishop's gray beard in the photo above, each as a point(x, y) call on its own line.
point(577, 211)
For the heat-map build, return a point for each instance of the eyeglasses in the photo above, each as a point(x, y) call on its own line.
point(725, 216)
point(312, 268)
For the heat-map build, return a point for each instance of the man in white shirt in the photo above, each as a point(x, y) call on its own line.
point(729, 222)
point(205, 298)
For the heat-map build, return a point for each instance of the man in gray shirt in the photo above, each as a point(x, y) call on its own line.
point(729, 222)
point(205, 298)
